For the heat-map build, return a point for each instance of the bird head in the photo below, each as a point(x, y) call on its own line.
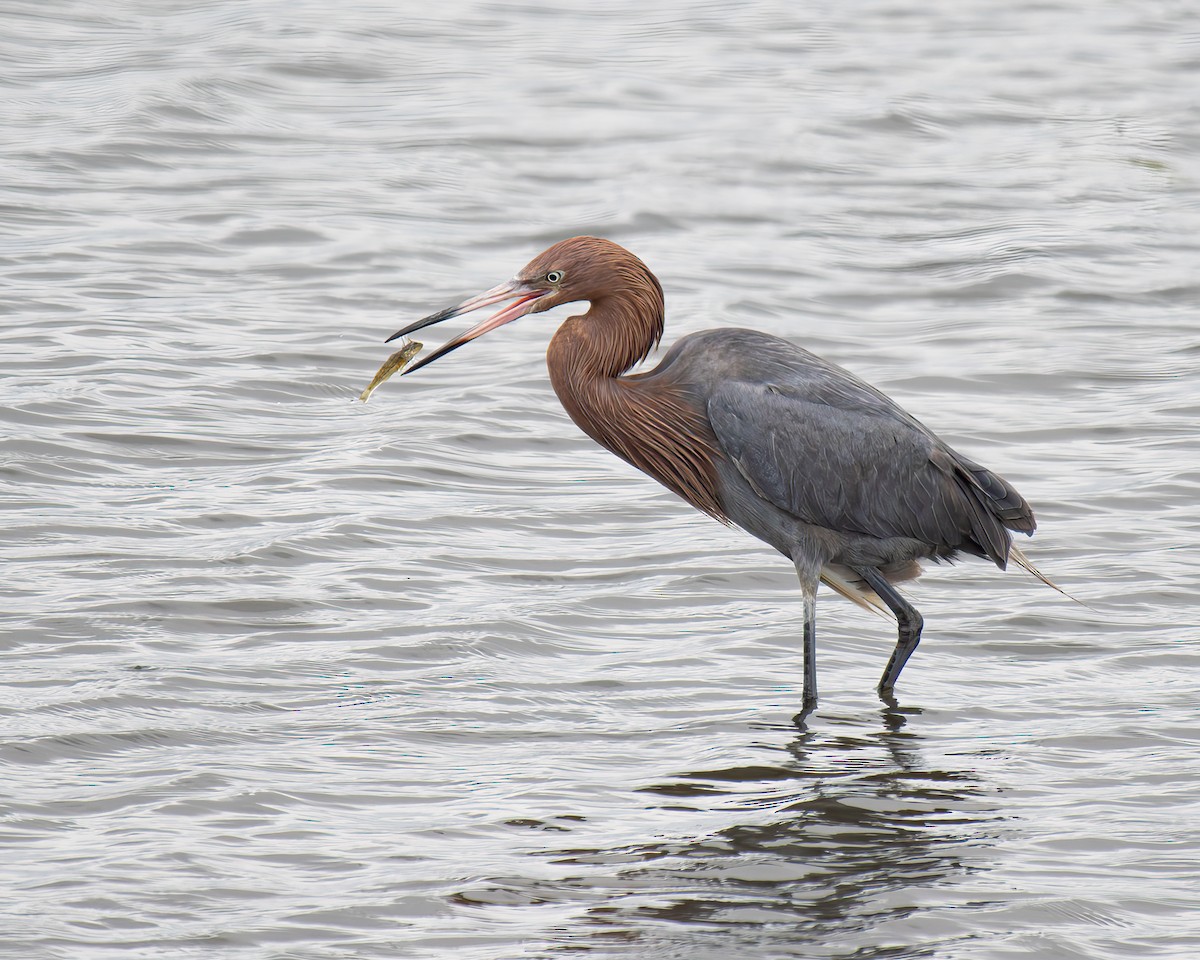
point(581, 268)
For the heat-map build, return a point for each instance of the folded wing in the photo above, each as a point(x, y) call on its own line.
point(833, 451)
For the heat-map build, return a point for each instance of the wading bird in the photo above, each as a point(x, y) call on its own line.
point(755, 431)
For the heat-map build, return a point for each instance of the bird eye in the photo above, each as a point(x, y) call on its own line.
point(554, 276)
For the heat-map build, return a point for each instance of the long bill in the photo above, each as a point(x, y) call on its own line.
point(525, 298)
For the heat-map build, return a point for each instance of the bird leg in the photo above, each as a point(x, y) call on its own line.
point(809, 586)
point(810, 653)
point(910, 623)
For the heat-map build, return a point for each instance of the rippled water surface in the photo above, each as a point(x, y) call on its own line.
point(289, 676)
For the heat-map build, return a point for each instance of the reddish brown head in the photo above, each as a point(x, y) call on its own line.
point(624, 294)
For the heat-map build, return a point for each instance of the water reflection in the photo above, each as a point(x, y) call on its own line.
point(893, 714)
point(838, 837)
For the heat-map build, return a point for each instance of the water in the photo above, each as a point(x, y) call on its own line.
point(288, 676)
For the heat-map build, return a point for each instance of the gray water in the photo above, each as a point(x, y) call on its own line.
point(289, 676)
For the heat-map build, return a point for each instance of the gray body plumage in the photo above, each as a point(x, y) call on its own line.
point(830, 471)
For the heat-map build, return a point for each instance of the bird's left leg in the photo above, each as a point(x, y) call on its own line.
point(909, 620)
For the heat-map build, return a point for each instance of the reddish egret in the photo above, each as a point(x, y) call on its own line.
point(755, 431)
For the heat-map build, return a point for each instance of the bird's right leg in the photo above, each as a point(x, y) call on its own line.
point(910, 623)
point(808, 585)
point(810, 650)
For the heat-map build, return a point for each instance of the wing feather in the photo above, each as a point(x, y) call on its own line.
point(824, 446)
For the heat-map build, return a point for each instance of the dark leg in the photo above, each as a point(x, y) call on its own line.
point(810, 651)
point(808, 584)
point(907, 617)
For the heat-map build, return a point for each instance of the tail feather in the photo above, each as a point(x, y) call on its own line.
point(1016, 554)
point(851, 590)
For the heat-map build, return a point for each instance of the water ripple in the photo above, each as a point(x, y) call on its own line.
point(289, 675)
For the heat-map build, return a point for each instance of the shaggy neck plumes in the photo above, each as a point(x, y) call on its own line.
point(648, 422)
point(616, 334)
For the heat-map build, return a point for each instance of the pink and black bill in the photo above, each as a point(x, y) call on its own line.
point(523, 295)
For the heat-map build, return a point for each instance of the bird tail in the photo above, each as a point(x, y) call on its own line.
point(1015, 553)
point(856, 591)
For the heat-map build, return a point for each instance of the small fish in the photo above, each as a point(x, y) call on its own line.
point(392, 364)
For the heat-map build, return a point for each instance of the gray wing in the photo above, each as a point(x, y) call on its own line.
point(825, 447)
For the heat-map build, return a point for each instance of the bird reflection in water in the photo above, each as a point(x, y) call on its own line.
point(826, 841)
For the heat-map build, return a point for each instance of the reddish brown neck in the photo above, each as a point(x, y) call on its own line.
point(648, 421)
